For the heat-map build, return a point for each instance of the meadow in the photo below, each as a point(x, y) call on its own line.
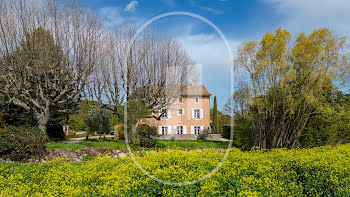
point(322, 171)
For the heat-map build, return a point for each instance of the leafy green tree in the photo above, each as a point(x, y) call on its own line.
point(145, 133)
point(216, 128)
point(136, 110)
point(289, 81)
point(331, 125)
point(99, 121)
point(37, 78)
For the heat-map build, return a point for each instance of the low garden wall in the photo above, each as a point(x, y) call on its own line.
point(189, 137)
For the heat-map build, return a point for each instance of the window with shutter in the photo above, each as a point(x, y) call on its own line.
point(197, 129)
point(179, 130)
point(196, 114)
point(164, 130)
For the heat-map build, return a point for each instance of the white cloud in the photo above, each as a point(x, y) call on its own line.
point(131, 6)
point(169, 3)
point(112, 16)
point(212, 10)
point(208, 9)
point(308, 15)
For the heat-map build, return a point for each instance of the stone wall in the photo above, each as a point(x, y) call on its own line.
point(214, 137)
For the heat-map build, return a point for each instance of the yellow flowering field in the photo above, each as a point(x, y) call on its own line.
point(323, 171)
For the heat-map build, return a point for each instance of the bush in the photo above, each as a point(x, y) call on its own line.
point(203, 135)
point(99, 121)
point(71, 133)
point(2, 123)
point(323, 171)
point(145, 132)
point(121, 132)
point(77, 125)
point(22, 143)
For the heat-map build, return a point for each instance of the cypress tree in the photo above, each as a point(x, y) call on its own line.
point(216, 128)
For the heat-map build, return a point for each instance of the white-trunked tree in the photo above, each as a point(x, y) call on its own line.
point(47, 51)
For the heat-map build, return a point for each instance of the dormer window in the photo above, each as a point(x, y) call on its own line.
point(197, 99)
point(181, 100)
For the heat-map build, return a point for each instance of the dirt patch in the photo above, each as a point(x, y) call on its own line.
point(84, 153)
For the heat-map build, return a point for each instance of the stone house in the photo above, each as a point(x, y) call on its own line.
point(188, 114)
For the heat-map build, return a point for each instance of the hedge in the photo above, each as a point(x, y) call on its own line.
point(323, 171)
point(22, 143)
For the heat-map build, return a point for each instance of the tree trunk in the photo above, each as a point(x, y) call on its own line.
point(42, 122)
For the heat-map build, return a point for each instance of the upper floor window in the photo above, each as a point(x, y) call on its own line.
point(180, 112)
point(197, 114)
point(181, 100)
point(164, 113)
point(197, 99)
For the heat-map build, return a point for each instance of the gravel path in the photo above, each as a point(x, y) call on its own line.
point(91, 137)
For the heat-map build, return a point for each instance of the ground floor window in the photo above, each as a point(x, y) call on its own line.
point(164, 130)
point(179, 130)
point(197, 129)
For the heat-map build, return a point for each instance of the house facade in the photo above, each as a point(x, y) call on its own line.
point(188, 114)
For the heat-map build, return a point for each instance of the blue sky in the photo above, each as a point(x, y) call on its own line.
point(240, 21)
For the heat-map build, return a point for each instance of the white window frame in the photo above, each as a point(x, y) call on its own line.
point(183, 112)
point(177, 129)
point(182, 100)
point(165, 130)
point(163, 115)
point(195, 114)
point(166, 115)
point(196, 129)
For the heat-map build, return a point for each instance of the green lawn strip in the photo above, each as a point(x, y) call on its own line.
point(173, 144)
point(120, 144)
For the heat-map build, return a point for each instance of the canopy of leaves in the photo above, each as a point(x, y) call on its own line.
point(99, 121)
point(284, 81)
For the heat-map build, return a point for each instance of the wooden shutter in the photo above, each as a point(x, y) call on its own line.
point(160, 130)
point(201, 113)
point(169, 113)
point(184, 130)
point(169, 130)
point(192, 129)
point(201, 129)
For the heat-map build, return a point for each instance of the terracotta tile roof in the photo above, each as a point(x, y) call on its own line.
point(194, 90)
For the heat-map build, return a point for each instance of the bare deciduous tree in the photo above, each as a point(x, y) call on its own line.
point(152, 71)
point(75, 31)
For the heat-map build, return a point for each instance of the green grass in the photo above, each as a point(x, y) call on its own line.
point(173, 144)
point(120, 144)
